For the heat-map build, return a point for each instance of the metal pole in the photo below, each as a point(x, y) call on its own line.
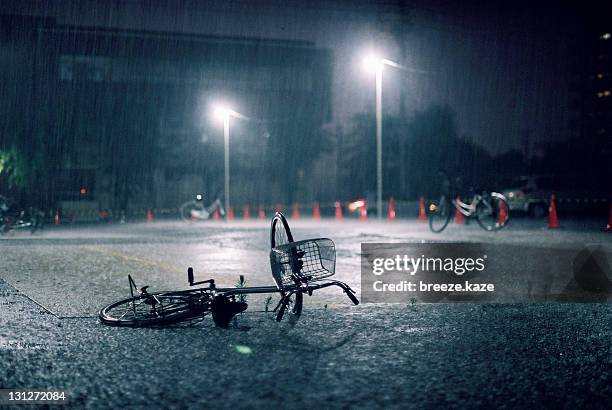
point(379, 175)
point(227, 164)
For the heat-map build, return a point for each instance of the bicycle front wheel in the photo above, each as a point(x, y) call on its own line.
point(439, 214)
point(492, 212)
point(154, 310)
point(187, 212)
point(280, 234)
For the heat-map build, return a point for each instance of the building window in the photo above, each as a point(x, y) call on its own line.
point(80, 67)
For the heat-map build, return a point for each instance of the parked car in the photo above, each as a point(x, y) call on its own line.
point(531, 194)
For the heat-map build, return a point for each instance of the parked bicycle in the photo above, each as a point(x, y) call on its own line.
point(298, 268)
point(490, 209)
point(195, 210)
point(13, 218)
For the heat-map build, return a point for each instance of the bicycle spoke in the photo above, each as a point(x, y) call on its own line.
point(281, 238)
point(132, 308)
point(491, 213)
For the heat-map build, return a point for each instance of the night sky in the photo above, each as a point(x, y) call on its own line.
point(502, 68)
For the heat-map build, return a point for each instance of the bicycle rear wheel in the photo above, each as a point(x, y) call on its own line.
point(439, 214)
point(190, 212)
point(36, 220)
point(154, 310)
point(492, 212)
point(280, 234)
point(4, 225)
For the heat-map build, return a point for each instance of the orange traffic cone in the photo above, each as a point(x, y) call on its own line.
point(422, 214)
point(56, 218)
point(459, 218)
point(363, 213)
point(608, 227)
point(246, 213)
point(230, 214)
point(553, 220)
point(338, 207)
point(502, 216)
point(262, 213)
point(149, 215)
point(216, 214)
point(296, 211)
point(316, 211)
point(391, 211)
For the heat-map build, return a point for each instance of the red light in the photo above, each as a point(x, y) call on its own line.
point(360, 203)
point(83, 191)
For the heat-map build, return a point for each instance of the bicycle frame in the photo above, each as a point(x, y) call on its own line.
point(303, 287)
point(467, 209)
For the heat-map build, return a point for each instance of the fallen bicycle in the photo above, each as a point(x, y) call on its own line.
point(298, 267)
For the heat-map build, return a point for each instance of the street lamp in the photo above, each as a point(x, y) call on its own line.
point(224, 113)
point(376, 64)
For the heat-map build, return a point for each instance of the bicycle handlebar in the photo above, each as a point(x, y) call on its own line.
point(352, 297)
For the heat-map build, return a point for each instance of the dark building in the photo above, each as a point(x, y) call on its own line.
point(120, 119)
point(591, 99)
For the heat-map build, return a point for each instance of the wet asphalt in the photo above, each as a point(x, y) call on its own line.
point(552, 355)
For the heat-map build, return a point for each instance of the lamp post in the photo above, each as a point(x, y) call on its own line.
point(379, 174)
point(226, 162)
point(377, 64)
point(224, 113)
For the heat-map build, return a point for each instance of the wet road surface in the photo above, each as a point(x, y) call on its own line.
point(373, 355)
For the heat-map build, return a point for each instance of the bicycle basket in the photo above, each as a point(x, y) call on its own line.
point(307, 260)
